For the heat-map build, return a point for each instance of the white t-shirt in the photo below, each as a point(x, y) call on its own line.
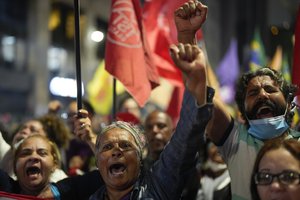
point(4, 147)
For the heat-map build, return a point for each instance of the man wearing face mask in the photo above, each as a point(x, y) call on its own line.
point(264, 99)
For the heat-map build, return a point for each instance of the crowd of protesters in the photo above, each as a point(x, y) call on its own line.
point(207, 155)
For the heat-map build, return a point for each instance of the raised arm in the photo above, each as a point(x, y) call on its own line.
point(188, 19)
point(191, 61)
point(179, 156)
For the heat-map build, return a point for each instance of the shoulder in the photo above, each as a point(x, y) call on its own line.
point(294, 134)
point(7, 184)
point(98, 195)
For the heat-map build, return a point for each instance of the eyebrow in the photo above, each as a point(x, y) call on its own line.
point(39, 149)
point(264, 170)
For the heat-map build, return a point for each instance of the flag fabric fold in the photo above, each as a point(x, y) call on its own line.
point(257, 52)
point(161, 31)
point(285, 68)
point(160, 26)
point(100, 90)
point(276, 61)
point(174, 106)
point(127, 54)
point(280, 63)
point(228, 71)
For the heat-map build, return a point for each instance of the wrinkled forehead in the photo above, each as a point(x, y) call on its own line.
point(158, 117)
point(34, 144)
point(36, 141)
point(261, 81)
point(264, 81)
point(115, 135)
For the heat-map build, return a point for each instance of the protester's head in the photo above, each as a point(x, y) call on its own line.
point(276, 172)
point(264, 93)
point(119, 155)
point(214, 154)
point(158, 131)
point(57, 131)
point(128, 104)
point(34, 161)
point(214, 162)
point(29, 127)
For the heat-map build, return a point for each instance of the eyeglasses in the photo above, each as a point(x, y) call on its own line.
point(285, 177)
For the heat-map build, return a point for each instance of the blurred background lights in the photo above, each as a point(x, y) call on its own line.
point(8, 48)
point(97, 36)
point(65, 87)
point(274, 30)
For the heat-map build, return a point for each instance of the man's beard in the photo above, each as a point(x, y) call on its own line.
point(275, 109)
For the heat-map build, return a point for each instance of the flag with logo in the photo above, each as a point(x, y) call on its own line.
point(127, 54)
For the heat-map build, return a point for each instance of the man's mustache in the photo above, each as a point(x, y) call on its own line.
point(259, 104)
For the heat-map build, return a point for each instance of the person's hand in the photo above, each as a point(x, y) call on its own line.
point(191, 61)
point(82, 127)
point(189, 18)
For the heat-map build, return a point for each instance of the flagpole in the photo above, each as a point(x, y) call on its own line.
point(77, 53)
point(114, 110)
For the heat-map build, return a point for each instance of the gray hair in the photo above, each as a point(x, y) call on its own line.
point(134, 130)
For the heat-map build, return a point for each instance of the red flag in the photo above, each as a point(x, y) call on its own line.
point(296, 62)
point(127, 55)
point(11, 196)
point(161, 31)
point(175, 104)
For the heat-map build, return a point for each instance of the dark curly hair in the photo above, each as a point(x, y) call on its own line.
point(287, 89)
point(56, 129)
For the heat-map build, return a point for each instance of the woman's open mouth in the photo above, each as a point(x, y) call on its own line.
point(33, 171)
point(117, 169)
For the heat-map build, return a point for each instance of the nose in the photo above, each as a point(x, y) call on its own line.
point(34, 157)
point(263, 94)
point(275, 185)
point(117, 151)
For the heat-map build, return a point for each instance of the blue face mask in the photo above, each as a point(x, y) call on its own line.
point(268, 128)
